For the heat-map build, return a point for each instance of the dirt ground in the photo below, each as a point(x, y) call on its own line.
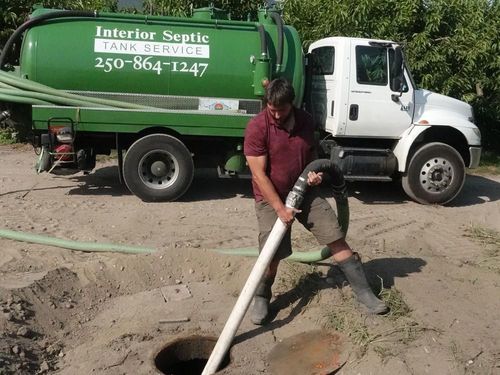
point(71, 312)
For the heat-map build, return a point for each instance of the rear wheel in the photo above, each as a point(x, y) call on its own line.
point(436, 174)
point(158, 167)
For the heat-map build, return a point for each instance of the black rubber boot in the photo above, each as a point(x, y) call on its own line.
point(260, 309)
point(353, 271)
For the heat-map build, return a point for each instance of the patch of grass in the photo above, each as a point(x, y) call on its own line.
point(394, 299)
point(484, 235)
point(490, 240)
point(458, 356)
point(490, 164)
point(385, 352)
point(302, 279)
point(104, 158)
point(388, 336)
point(7, 136)
point(345, 319)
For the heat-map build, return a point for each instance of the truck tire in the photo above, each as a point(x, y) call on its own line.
point(436, 174)
point(158, 167)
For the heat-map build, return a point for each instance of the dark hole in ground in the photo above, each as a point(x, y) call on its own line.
point(187, 356)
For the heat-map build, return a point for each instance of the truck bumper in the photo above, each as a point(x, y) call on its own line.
point(475, 156)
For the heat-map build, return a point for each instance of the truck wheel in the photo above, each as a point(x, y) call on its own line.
point(158, 167)
point(436, 174)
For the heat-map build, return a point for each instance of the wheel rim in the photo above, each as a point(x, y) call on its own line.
point(436, 175)
point(158, 169)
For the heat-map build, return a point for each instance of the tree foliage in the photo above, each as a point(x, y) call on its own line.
point(238, 9)
point(14, 13)
point(452, 46)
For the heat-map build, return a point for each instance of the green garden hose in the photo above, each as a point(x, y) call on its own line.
point(59, 96)
point(296, 256)
point(50, 99)
point(73, 245)
point(22, 100)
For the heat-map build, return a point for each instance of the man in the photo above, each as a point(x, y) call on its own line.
point(279, 143)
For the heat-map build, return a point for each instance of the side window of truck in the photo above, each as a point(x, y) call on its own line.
point(323, 61)
point(371, 65)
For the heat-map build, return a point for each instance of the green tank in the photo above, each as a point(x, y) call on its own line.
point(164, 61)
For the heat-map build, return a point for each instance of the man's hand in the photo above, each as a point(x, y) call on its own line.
point(257, 165)
point(286, 214)
point(314, 178)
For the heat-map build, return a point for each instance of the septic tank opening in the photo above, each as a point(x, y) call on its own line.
point(187, 356)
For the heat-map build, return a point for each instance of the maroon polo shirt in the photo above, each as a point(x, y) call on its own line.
point(288, 153)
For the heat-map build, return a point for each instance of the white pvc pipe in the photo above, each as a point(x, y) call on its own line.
point(245, 298)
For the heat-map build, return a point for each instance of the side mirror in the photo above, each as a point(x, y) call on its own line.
point(397, 70)
point(397, 65)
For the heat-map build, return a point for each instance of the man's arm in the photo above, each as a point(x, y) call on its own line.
point(257, 166)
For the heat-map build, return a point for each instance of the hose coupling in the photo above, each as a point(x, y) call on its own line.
point(294, 199)
point(5, 115)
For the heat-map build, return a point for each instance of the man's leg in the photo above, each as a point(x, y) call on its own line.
point(350, 264)
point(266, 218)
point(260, 309)
point(319, 218)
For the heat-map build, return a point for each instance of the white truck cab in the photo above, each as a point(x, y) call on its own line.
point(379, 126)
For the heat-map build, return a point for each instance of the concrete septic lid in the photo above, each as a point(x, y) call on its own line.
point(314, 353)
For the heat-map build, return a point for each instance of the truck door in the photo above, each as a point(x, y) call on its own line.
point(372, 108)
point(324, 86)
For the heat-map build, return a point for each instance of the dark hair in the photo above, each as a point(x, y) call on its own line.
point(279, 92)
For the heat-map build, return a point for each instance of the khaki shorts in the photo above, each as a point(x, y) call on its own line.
point(317, 217)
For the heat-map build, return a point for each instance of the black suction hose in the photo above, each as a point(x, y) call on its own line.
point(296, 196)
point(263, 41)
point(37, 20)
point(279, 54)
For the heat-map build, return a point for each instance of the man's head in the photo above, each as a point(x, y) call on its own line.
point(279, 98)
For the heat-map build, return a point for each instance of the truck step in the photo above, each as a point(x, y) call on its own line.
point(367, 178)
point(222, 173)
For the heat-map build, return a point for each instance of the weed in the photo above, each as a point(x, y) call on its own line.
point(300, 279)
point(384, 352)
point(456, 353)
point(387, 335)
point(490, 239)
point(490, 164)
point(394, 300)
point(7, 136)
point(483, 235)
point(344, 318)
point(104, 158)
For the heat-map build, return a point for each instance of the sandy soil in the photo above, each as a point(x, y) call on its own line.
point(70, 312)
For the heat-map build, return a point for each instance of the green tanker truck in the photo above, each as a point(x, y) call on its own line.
point(174, 94)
